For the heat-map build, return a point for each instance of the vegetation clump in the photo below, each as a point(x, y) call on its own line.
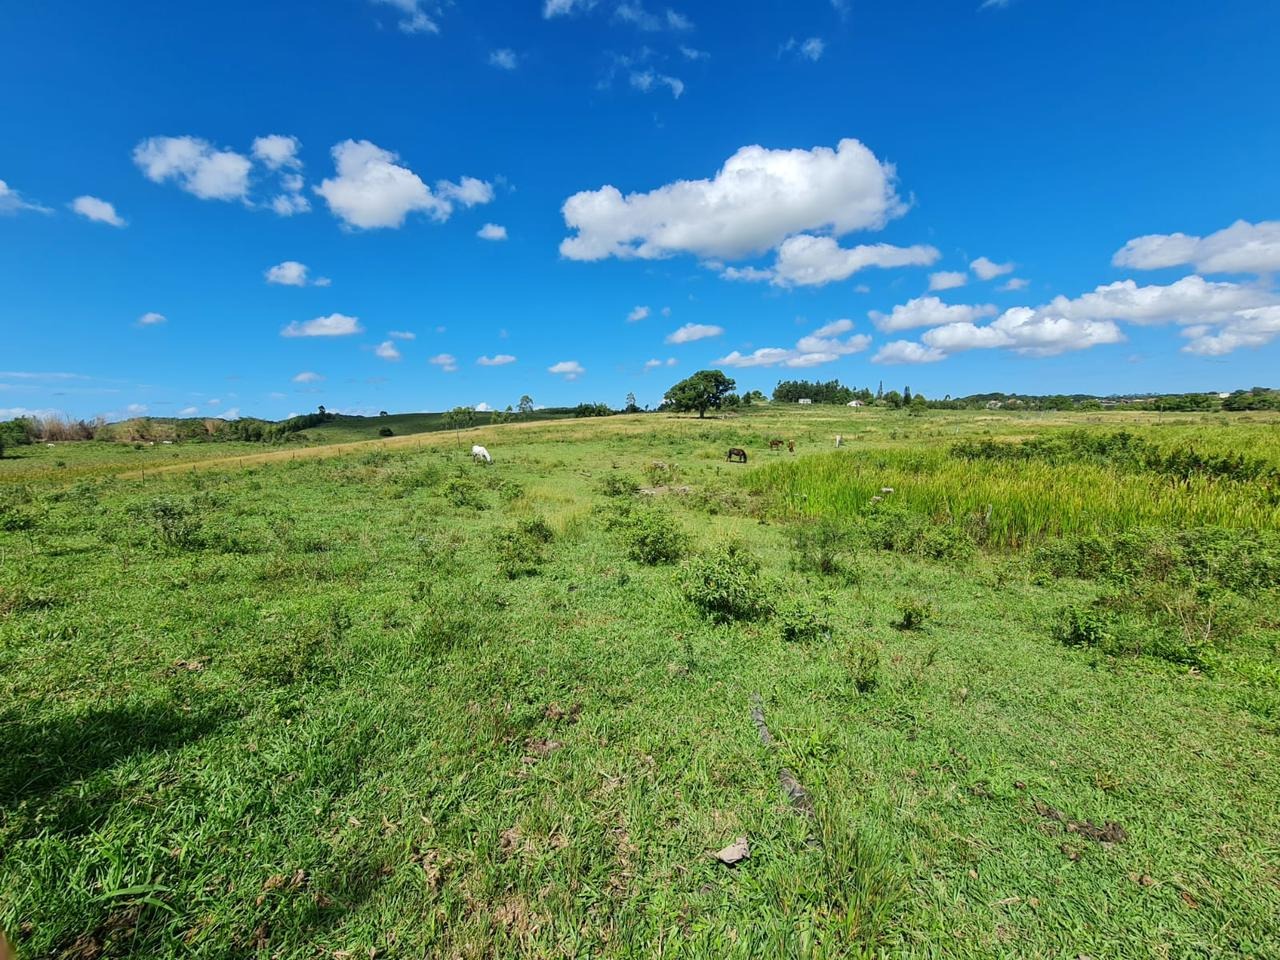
point(725, 584)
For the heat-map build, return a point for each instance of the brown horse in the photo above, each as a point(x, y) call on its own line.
point(791, 445)
point(737, 455)
point(775, 444)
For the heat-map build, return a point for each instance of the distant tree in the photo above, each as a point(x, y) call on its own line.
point(703, 391)
point(459, 419)
point(592, 410)
point(880, 392)
point(526, 405)
point(631, 404)
point(906, 396)
point(383, 413)
point(753, 396)
point(892, 399)
point(322, 410)
point(829, 391)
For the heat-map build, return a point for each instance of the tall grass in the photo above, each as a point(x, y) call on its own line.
point(1016, 502)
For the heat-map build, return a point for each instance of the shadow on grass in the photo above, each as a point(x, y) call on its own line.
point(44, 755)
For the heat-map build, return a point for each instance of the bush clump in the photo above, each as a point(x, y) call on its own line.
point(904, 531)
point(653, 537)
point(462, 491)
point(725, 584)
point(798, 623)
point(914, 614)
point(619, 485)
point(174, 522)
point(821, 546)
point(521, 549)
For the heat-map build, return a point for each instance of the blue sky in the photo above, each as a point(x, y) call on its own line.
point(598, 198)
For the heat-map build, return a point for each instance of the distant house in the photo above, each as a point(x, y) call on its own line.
point(855, 403)
point(804, 400)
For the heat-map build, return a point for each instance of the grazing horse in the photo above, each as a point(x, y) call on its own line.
point(791, 445)
point(480, 455)
point(737, 455)
point(775, 444)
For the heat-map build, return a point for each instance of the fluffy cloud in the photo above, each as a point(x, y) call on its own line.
point(152, 319)
point(99, 211)
point(504, 59)
point(906, 351)
point(988, 269)
point(372, 190)
point(928, 312)
point(757, 199)
point(196, 165)
point(822, 346)
point(402, 335)
point(947, 280)
point(637, 314)
point(808, 261)
point(415, 19)
point(1190, 300)
point(469, 191)
point(307, 376)
point(1014, 283)
point(11, 201)
point(1248, 328)
point(498, 360)
point(655, 363)
point(290, 273)
point(694, 331)
point(1242, 247)
point(334, 325)
point(445, 361)
point(277, 151)
point(569, 369)
point(482, 407)
point(492, 231)
point(387, 350)
point(188, 411)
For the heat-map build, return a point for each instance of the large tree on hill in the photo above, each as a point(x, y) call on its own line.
point(703, 391)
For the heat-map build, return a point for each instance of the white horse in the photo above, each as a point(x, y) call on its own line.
point(480, 454)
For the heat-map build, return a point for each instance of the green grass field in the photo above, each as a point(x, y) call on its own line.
point(372, 699)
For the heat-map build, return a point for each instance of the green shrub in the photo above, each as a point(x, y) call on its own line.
point(653, 536)
point(896, 528)
point(462, 491)
point(820, 546)
point(914, 614)
point(386, 432)
point(862, 660)
point(725, 584)
point(798, 623)
point(618, 485)
point(174, 522)
point(659, 473)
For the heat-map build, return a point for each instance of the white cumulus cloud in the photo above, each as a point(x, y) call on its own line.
point(1242, 247)
point(372, 189)
point(757, 199)
point(694, 331)
point(97, 210)
point(928, 312)
point(402, 335)
point(988, 269)
point(810, 261)
point(307, 376)
point(415, 19)
point(387, 350)
point(196, 165)
point(569, 369)
point(152, 319)
point(497, 360)
point(277, 151)
point(637, 314)
point(11, 201)
point(822, 346)
point(947, 280)
point(334, 325)
point(907, 351)
point(290, 273)
point(492, 231)
point(445, 361)
point(504, 59)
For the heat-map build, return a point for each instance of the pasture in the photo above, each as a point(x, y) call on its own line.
point(378, 700)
